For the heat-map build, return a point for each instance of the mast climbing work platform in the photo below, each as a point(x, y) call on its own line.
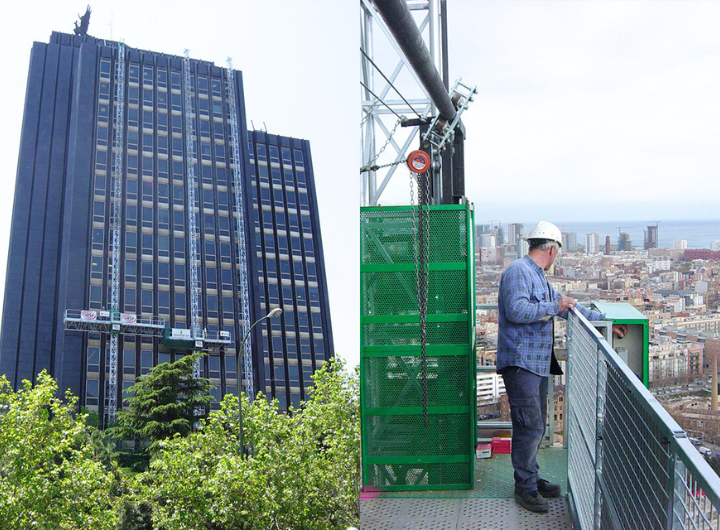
point(240, 231)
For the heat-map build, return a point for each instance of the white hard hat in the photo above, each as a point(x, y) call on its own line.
point(546, 230)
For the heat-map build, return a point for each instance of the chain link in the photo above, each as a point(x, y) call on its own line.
point(421, 254)
point(370, 166)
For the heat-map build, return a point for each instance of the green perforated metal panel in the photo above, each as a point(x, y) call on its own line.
point(402, 449)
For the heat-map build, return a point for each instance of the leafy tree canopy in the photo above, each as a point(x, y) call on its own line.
point(166, 401)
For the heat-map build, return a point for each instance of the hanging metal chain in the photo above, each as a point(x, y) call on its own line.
point(421, 251)
point(369, 166)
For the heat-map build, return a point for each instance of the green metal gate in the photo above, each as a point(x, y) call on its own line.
point(402, 447)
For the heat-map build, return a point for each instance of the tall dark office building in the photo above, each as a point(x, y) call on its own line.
point(178, 135)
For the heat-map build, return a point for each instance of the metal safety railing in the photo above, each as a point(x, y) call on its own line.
point(630, 465)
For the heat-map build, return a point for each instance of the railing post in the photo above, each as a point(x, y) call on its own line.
point(676, 513)
point(599, 422)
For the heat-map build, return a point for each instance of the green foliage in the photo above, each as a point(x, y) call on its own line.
point(303, 471)
point(167, 401)
point(48, 478)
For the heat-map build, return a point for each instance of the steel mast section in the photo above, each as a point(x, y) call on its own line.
point(387, 99)
point(442, 132)
point(195, 327)
point(118, 148)
point(240, 231)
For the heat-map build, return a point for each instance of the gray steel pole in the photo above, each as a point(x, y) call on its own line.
point(397, 16)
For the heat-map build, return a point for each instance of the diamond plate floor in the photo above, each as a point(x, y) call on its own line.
point(489, 506)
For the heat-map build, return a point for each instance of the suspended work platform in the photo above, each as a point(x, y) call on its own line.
point(116, 323)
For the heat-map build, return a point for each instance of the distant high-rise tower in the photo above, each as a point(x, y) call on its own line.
point(569, 241)
point(500, 235)
point(608, 247)
point(592, 243)
point(516, 233)
point(679, 244)
point(651, 237)
point(624, 242)
point(178, 135)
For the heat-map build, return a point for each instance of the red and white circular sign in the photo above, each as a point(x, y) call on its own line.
point(418, 161)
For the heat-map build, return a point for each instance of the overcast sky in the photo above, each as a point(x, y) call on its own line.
point(587, 110)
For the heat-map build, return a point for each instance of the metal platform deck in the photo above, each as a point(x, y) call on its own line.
point(489, 506)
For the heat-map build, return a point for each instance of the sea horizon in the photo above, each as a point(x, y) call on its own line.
point(698, 233)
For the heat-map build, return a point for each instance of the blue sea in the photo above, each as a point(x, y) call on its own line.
point(698, 234)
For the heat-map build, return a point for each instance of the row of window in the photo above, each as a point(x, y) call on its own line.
point(153, 76)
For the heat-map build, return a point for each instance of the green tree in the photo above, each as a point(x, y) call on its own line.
point(302, 473)
point(169, 400)
point(48, 478)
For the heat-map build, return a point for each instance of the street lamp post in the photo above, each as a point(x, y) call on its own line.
point(272, 314)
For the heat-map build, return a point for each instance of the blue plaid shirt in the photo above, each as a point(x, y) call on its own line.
point(526, 303)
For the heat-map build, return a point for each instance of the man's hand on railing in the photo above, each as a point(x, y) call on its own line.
point(565, 302)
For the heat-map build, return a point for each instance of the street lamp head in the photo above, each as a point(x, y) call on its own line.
point(274, 313)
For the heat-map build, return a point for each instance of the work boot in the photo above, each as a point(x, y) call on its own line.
point(548, 489)
point(531, 500)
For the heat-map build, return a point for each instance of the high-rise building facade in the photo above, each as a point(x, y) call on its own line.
point(624, 242)
point(177, 137)
point(651, 237)
point(569, 241)
point(592, 243)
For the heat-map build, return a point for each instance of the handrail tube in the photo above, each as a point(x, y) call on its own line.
point(401, 24)
point(683, 493)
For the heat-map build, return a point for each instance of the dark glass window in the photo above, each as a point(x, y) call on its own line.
point(225, 252)
point(93, 359)
point(162, 121)
point(98, 239)
point(209, 221)
point(179, 303)
point(175, 80)
point(163, 302)
point(146, 301)
point(227, 279)
point(284, 269)
point(228, 308)
point(133, 120)
point(163, 218)
point(131, 189)
point(130, 302)
point(131, 242)
point(147, 213)
point(101, 160)
point(131, 215)
point(147, 245)
point(179, 247)
point(147, 271)
point(133, 93)
point(102, 136)
point(211, 277)
point(96, 268)
point(179, 220)
point(133, 73)
point(163, 273)
point(163, 246)
point(146, 358)
point(92, 388)
point(180, 275)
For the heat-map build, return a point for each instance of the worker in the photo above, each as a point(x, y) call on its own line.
point(525, 358)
